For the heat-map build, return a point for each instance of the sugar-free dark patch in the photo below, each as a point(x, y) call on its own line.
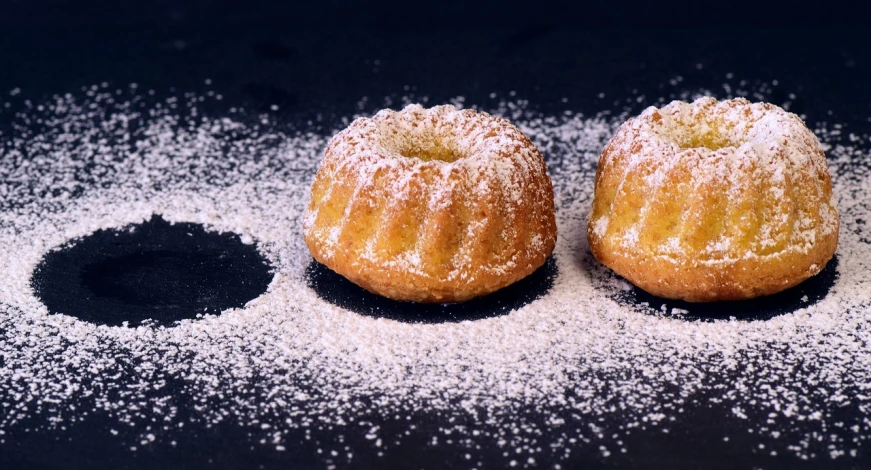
point(154, 271)
point(805, 294)
point(339, 291)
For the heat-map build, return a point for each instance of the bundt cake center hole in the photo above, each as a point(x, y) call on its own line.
point(708, 135)
point(434, 151)
point(710, 141)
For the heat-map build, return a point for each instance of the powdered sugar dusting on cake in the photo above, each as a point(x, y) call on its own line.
point(574, 371)
point(437, 171)
point(748, 145)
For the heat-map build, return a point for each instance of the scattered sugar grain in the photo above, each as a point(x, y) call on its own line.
point(99, 160)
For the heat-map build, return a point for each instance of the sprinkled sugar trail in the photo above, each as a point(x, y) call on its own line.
point(593, 369)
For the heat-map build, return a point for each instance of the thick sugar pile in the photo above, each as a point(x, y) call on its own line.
point(582, 369)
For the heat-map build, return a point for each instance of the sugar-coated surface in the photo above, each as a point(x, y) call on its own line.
point(593, 369)
point(437, 204)
point(714, 200)
point(760, 154)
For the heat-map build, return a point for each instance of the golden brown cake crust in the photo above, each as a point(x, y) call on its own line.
point(431, 205)
point(710, 201)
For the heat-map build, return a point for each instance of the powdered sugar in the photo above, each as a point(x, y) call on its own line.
point(592, 369)
point(454, 194)
point(744, 145)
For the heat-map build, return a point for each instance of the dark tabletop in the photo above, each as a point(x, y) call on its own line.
point(321, 59)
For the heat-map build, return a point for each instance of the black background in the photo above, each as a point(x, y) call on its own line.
point(322, 58)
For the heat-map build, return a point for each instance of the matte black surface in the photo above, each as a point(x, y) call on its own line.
point(803, 295)
point(339, 291)
point(317, 61)
point(154, 271)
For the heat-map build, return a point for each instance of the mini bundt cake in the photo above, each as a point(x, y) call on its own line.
point(710, 201)
point(431, 205)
